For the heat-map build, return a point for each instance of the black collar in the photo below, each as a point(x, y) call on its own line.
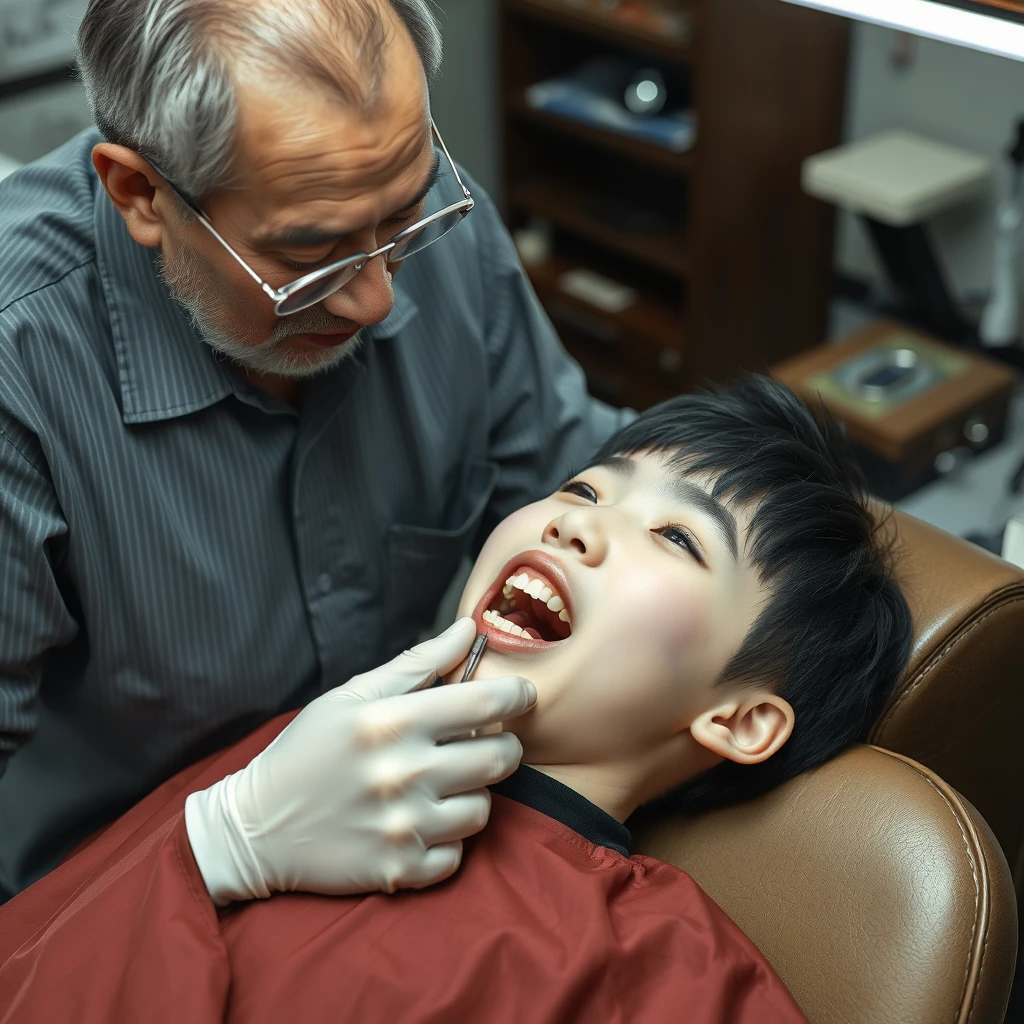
point(541, 792)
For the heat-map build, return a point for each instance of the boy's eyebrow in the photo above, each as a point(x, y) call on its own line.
point(621, 464)
point(311, 234)
point(690, 493)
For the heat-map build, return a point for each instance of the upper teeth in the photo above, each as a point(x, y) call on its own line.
point(537, 590)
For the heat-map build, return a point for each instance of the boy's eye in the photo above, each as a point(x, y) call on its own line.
point(677, 535)
point(584, 490)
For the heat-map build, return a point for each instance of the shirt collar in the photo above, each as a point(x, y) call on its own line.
point(549, 796)
point(165, 369)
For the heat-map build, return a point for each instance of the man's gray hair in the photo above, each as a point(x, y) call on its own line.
point(161, 75)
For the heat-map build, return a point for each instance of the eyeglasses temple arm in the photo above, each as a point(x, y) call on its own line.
point(448, 155)
point(194, 207)
point(238, 259)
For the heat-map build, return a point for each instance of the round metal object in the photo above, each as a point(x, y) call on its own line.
point(647, 94)
point(976, 430)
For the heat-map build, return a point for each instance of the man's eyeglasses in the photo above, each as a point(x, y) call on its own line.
point(315, 287)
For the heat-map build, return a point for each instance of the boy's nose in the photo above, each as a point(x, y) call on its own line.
point(579, 530)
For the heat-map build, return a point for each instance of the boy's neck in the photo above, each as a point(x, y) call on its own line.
point(620, 787)
point(600, 785)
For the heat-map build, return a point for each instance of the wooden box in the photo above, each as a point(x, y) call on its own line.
point(913, 406)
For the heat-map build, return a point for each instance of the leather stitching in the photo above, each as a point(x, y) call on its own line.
point(965, 998)
point(936, 658)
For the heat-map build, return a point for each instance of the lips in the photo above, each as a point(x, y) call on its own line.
point(326, 340)
point(541, 566)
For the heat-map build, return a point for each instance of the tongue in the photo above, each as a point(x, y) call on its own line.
point(525, 622)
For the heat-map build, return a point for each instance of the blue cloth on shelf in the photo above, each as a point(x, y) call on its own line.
point(581, 101)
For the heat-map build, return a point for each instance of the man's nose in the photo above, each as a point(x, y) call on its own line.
point(367, 298)
point(581, 531)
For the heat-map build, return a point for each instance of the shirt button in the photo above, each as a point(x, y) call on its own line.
point(324, 583)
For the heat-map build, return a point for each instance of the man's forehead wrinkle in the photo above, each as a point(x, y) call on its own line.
point(298, 189)
point(324, 215)
point(321, 150)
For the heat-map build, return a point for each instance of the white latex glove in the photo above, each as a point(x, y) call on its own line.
point(361, 792)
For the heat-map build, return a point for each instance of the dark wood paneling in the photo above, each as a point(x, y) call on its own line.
point(769, 94)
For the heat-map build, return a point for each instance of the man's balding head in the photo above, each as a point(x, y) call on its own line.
point(164, 76)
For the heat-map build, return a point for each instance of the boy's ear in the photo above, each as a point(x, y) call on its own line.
point(746, 731)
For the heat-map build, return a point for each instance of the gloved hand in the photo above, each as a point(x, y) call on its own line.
point(360, 792)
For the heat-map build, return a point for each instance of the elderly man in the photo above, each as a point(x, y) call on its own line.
point(241, 457)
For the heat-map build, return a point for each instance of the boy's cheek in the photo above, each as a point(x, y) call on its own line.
point(509, 537)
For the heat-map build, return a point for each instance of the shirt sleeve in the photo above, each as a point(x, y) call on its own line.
point(34, 618)
point(543, 423)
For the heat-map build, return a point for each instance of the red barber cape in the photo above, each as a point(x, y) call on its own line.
point(540, 924)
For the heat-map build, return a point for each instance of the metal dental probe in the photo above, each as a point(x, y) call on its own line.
point(476, 652)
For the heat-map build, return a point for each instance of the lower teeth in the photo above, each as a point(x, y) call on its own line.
point(500, 622)
point(492, 618)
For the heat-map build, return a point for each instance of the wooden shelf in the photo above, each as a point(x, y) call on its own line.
point(732, 260)
point(636, 149)
point(564, 206)
point(609, 379)
point(607, 28)
point(648, 319)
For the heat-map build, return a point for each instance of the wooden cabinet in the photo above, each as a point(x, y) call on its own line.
point(729, 260)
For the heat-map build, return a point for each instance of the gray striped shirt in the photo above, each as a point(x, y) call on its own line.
point(181, 555)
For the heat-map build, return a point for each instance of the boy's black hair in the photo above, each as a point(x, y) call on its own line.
point(835, 634)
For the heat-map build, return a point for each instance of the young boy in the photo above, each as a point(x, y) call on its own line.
point(706, 611)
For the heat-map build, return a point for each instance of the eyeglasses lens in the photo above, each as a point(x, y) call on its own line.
point(418, 240)
point(318, 290)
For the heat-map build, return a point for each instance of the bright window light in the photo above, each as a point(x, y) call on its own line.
point(988, 32)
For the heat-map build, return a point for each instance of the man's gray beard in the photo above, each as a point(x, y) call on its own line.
point(186, 283)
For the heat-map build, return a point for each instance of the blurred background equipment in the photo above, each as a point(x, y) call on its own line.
point(661, 142)
point(1000, 322)
point(896, 181)
point(41, 105)
point(647, 94)
point(915, 407)
point(993, 26)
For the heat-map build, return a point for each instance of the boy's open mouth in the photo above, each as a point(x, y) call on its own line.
point(525, 607)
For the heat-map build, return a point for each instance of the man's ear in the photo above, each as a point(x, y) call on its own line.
point(134, 188)
point(747, 731)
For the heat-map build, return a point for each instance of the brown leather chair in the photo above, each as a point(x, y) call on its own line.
point(959, 707)
point(878, 893)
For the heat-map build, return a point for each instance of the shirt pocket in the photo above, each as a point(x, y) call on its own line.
point(422, 560)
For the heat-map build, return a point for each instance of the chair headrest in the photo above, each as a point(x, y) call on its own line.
point(877, 893)
point(958, 705)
